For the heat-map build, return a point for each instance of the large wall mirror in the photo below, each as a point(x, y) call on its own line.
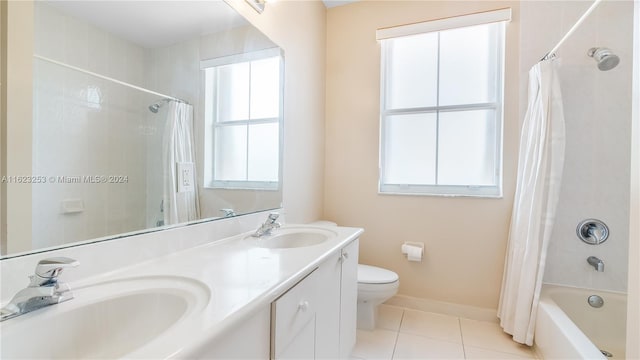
point(145, 115)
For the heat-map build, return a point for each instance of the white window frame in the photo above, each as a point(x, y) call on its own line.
point(211, 123)
point(490, 191)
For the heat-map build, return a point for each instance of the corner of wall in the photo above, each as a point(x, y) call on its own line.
point(3, 126)
point(633, 299)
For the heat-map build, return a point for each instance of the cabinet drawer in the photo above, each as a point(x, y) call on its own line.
point(292, 312)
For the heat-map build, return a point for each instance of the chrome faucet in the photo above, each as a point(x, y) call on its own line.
point(228, 212)
point(43, 290)
point(596, 263)
point(270, 224)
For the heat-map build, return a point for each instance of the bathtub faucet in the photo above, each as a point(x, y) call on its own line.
point(596, 263)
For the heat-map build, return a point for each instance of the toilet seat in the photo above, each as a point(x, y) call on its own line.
point(368, 274)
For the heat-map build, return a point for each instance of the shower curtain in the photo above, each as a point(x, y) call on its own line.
point(178, 157)
point(540, 162)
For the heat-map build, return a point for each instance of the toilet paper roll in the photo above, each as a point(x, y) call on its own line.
point(414, 253)
point(403, 248)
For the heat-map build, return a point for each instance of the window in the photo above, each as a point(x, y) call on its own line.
point(441, 106)
point(243, 107)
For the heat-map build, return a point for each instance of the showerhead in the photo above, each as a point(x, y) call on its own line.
point(154, 108)
point(605, 58)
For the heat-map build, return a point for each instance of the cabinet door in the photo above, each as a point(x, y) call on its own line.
point(302, 345)
point(348, 299)
point(293, 321)
point(328, 315)
point(233, 344)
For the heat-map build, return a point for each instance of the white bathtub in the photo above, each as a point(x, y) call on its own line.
point(567, 327)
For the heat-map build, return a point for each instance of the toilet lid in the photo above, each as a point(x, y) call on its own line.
point(374, 275)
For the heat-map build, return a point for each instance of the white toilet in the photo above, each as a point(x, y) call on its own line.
point(375, 286)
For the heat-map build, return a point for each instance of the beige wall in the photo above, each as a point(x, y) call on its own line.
point(299, 28)
point(465, 238)
point(16, 120)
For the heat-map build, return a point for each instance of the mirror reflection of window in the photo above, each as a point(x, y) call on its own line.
point(242, 110)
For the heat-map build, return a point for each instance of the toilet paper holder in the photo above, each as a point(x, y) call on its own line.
point(410, 243)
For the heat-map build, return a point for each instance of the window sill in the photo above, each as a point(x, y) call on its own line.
point(489, 192)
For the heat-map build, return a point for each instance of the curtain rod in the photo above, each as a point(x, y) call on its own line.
point(109, 79)
point(575, 26)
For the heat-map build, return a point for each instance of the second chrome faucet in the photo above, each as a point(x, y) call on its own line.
point(596, 263)
point(270, 224)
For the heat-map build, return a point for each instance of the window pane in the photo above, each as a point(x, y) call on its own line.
point(467, 148)
point(468, 68)
point(263, 152)
point(412, 71)
point(265, 88)
point(410, 149)
point(231, 153)
point(233, 92)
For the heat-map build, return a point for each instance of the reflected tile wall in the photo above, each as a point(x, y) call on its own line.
point(85, 126)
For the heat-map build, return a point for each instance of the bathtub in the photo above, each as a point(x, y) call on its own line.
point(567, 327)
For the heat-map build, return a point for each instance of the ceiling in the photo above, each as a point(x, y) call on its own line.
point(152, 24)
point(157, 23)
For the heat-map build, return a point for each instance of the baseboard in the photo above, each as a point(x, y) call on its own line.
point(441, 307)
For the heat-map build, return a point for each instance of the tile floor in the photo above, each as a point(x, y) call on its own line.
point(410, 334)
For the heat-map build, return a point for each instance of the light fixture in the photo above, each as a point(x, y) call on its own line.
point(258, 5)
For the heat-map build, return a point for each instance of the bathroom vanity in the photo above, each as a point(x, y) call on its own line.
point(288, 295)
point(313, 318)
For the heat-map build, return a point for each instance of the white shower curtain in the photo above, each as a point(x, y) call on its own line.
point(178, 155)
point(540, 162)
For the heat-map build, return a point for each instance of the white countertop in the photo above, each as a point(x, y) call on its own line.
point(238, 277)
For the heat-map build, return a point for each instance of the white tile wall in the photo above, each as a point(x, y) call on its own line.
point(597, 107)
point(87, 126)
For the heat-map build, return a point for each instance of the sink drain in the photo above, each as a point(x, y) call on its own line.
point(606, 353)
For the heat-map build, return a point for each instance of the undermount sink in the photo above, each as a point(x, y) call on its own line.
point(293, 237)
point(106, 320)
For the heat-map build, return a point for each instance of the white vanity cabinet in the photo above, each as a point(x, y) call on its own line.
point(348, 298)
point(293, 321)
point(316, 318)
point(248, 339)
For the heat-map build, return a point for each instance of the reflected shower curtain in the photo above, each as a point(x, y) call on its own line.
point(178, 157)
point(540, 162)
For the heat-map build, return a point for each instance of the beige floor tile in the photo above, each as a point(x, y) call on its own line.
point(389, 317)
point(437, 326)
point(487, 335)
point(376, 344)
point(472, 352)
point(411, 347)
